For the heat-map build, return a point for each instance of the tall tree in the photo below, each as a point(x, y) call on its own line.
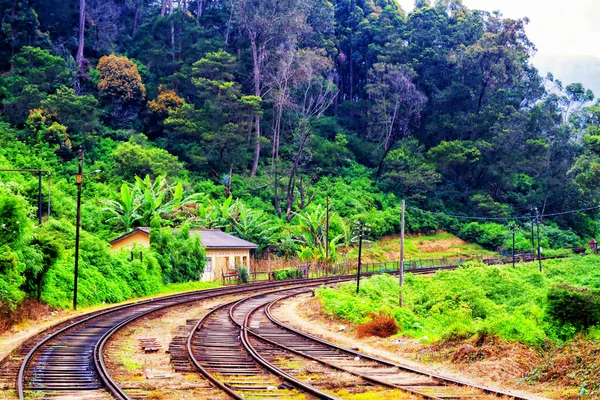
point(396, 106)
point(314, 93)
point(266, 24)
point(81, 35)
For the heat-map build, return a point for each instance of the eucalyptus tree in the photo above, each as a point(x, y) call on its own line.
point(395, 107)
point(266, 24)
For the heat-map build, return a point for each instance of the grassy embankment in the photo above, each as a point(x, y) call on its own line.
point(501, 301)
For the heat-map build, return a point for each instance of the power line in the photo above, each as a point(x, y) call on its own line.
point(514, 218)
point(570, 212)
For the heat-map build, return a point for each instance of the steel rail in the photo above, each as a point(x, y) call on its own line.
point(380, 360)
point(191, 296)
point(319, 360)
point(244, 342)
point(252, 351)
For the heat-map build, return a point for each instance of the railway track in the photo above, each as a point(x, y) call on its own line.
point(67, 360)
point(243, 349)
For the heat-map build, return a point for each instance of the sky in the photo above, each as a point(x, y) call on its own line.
point(556, 27)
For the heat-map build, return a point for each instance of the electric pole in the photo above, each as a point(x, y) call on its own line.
point(537, 219)
point(400, 300)
point(78, 223)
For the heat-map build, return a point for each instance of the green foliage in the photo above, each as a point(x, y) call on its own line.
point(439, 106)
point(519, 304)
point(282, 274)
point(243, 276)
point(577, 307)
point(134, 159)
point(179, 254)
point(36, 73)
point(489, 234)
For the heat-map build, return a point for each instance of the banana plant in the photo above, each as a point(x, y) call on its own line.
point(124, 207)
point(254, 226)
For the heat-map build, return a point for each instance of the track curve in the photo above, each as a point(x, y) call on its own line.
point(69, 361)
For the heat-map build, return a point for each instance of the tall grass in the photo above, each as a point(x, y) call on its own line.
point(475, 299)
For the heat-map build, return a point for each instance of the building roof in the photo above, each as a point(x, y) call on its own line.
point(210, 238)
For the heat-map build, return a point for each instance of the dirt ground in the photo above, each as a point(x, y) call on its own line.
point(151, 375)
point(502, 372)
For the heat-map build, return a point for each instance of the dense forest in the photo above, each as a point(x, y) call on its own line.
point(247, 115)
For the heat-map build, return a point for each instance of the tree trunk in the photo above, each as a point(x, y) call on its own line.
point(200, 9)
point(172, 30)
point(386, 150)
point(12, 33)
point(136, 16)
point(163, 9)
point(81, 44)
point(256, 72)
point(292, 181)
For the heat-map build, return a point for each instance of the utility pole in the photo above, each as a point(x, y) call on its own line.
point(327, 238)
point(537, 219)
point(532, 238)
point(362, 231)
point(400, 300)
point(360, 238)
point(513, 228)
point(78, 223)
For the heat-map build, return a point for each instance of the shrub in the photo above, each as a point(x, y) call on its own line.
point(575, 306)
point(282, 274)
point(243, 276)
point(381, 325)
point(490, 235)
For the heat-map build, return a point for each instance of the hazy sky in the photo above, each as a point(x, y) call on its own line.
point(556, 27)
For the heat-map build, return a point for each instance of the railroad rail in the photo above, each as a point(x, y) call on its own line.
point(68, 359)
point(262, 324)
point(238, 344)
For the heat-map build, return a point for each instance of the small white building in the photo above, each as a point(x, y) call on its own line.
point(223, 251)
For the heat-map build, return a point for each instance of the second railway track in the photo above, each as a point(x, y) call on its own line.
point(239, 347)
point(67, 360)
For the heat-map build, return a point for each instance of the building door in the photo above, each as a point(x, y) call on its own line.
point(208, 274)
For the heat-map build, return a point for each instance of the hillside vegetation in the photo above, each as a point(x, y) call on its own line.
point(518, 304)
point(246, 116)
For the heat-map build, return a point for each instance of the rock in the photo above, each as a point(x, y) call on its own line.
point(357, 358)
point(397, 341)
point(271, 387)
point(417, 342)
point(341, 328)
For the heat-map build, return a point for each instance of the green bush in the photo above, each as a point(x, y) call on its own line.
point(519, 304)
point(283, 274)
point(243, 276)
point(578, 307)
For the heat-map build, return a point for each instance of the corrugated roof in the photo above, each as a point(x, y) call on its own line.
point(217, 239)
point(210, 238)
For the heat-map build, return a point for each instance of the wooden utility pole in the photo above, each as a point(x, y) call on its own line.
point(537, 219)
point(360, 238)
point(513, 228)
point(402, 254)
point(327, 238)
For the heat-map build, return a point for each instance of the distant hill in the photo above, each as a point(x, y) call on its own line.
point(585, 70)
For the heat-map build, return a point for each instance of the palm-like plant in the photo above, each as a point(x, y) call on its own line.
point(310, 228)
point(124, 206)
point(254, 226)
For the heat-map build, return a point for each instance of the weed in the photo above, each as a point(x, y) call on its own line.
point(381, 325)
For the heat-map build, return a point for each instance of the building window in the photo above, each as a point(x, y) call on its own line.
point(208, 266)
point(237, 260)
point(245, 261)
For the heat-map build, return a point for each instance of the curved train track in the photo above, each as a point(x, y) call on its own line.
point(238, 355)
point(68, 360)
point(243, 349)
